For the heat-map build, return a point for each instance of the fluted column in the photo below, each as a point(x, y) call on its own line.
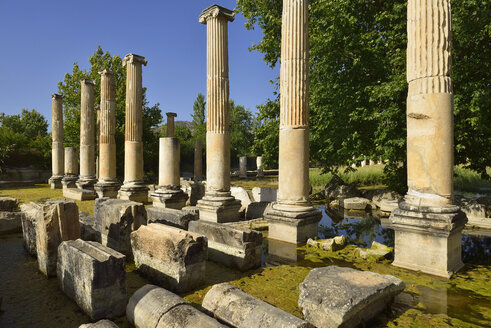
point(134, 187)
point(216, 19)
point(293, 181)
point(87, 177)
point(108, 185)
point(170, 124)
point(198, 160)
point(427, 216)
point(57, 151)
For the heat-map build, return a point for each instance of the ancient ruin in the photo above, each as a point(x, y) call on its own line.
point(57, 152)
point(71, 168)
point(170, 124)
point(87, 177)
point(198, 160)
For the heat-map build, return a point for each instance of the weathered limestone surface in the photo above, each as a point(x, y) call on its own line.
point(173, 258)
point(168, 216)
point(79, 194)
point(9, 204)
point(242, 195)
point(259, 165)
point(99, 324)
point(57, 151)
point(354, 203)
point(195, 191)
point(170, 124)
point(256, 210)
point(32, 213)
point(264, 194)
point(87, 230)
point(134, 188)
point(234, 307)
point(115, 219)
point(293, 180)
point(10, 217)
point(239, 248)
point(154, 307)
point(87, 177)
point(427, 216)
point(243, 167)
point(332, 244)
point(343, 297)
point(94, 276)
point(71, 168)
point(108, 184)
point(377, 251)
point(217, 205)
point(57, 222)
point(198, 160)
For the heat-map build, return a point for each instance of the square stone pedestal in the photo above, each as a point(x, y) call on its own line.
point(55, 182)
point(293, 226)
point(428, 239)
point(107, 189)
point(69, 181)
point(86, 183)
point(134, 192)
point(169, 198)
point(219, 208)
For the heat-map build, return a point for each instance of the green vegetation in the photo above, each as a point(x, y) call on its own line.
point(363, 176)
point(468, 180)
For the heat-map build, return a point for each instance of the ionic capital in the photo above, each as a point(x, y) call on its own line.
point(87, 81)
point(56, 96)
point(132, 58)
point(106, 72)
point(216, 11)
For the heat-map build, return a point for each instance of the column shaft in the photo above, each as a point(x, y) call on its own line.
point(107, 143)
point(87, 133)
point(57, 135)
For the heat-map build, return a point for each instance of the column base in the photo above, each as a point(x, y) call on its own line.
point(134, 191)
point(86, 183)
point(219, 207)
point(55, 181)
point(428, 239)
point(107, 188)
point(169, 198)
point(69, 181)
point(79, 194)
point(292, 224)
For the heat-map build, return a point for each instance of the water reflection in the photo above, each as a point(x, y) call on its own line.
point(280, 253)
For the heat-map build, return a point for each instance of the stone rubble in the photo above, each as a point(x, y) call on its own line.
point(10, 216)
point(172, 217)
point(377, 252)
point(332, 244)
point(354, 203)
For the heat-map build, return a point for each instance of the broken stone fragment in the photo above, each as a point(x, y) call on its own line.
point(172, 217)
point(343, 297)
point(32, 212)
point(331, 244)
point(10, 222)
point(354, 203)
point(377, 251)
point(100, 324)
point(87, 230)
point(236, 308)
point(9, 204)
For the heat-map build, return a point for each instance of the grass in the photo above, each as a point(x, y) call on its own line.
point(363, 176)
point(469, 180)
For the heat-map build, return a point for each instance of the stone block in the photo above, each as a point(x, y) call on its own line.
point(293, 227)
point(9, 204)
point(216, 208)
point(10, 222)
point(387, 206)
point(171, 257)
point(343, 297)
point(176, 218)
point(32, 213)
point(379, 196)
point(241, 194)
point(196, 191)
point(58, 222)
point(100, 324)
point(79, 194)
point(256, 210)
point(377, 252)
point(94, 276)
point(236, 308)
point(234, 247)
point(354, 203)
point(115, 219)
point(332, 244)
point(264, 194)
point(154, 307)
point(87, 230)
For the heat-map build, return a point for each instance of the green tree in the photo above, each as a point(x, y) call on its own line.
point(70, 88)
point(241, 131)
point(199, 119)
point(266, 134)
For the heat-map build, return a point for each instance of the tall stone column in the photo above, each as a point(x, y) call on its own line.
point(134, 187)
point(169, 193)
point(170, 124)
point(198, 160)
point(292, 218)
point(259, 165)
point(218, 204)
point(57, 152)
point(87, 136)
point(71, 168)
point(243, 167)
point(108, 184)
point(427, 226)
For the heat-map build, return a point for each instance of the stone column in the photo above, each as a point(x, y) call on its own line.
point(218, 204)
point(170, 124)
point(168, 193)
point(259, 165)
point(87, 136)
point(108, 184)
point(427, 226)
point(292, 218)
point(243, 167)
point(57, 141)
point(71, 168)
point(198, 160)
point(134, 187)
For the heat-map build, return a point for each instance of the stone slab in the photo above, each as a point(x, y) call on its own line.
point(236, 308)
point(94, 276)
point(32, 212)
point(242, 195)
point(256, 210)
point(168, 216)
point(343, 297)
point(264, 194)
point(171, 257)
point(154, 307)
point(87, 230)
point(10, 222)
point(233, 247)
point(377, 252)
point(354, 203)
point(79, 194)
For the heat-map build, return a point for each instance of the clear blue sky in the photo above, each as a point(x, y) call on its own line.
point(42, 39)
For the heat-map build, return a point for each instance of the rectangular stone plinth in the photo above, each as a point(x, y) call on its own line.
point(107, 190)
point(238, 248)
point(293, 227)
point(428, 242)
point(32, 213)
point(139, 195)
point(175, 218)
point(175, 199)
point(57, 222)
point(79, 194)
point(171, 257)
point(55, 182)
point(218, 210)
point(94, 276)
point(115, 219)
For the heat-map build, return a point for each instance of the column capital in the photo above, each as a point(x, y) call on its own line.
point(132, 58)
point(56, 96)
point(105, 72)
point(216, 11)
point(170, 114)
point(87, 81)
